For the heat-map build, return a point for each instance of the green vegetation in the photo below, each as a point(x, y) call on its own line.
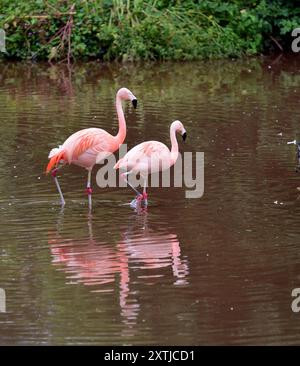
point(146, 30)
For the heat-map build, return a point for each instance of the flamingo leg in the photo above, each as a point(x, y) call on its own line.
point(123, 175)
point(54, 175)
point(145, 195)
point(137, 201)
point(89, 190)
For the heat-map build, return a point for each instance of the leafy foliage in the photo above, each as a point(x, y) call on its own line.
point(149, 30)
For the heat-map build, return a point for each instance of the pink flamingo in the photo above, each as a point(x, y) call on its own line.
point(150, 156)
point(88, 147)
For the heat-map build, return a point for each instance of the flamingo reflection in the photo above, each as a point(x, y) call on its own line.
point(100, 264)
point(149, 250)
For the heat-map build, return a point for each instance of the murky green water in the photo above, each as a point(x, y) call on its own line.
point(214, 270)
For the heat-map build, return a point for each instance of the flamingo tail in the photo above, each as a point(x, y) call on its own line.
point(54, 160)
point(117, 165)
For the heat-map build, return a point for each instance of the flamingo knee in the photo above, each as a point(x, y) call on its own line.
point(89, 190)
point(54, 172)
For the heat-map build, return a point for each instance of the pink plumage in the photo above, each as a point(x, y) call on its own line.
point(150, 157)
point(88, 147)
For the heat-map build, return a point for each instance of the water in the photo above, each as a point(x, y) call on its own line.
point(214, 270)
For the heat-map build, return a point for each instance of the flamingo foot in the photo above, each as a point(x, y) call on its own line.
point(89, 190)
point(137, 201)
point(139, 198)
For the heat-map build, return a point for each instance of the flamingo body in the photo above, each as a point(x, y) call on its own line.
point(148, 156)
point(85, 148)
point(90, 146)
point(151, 157)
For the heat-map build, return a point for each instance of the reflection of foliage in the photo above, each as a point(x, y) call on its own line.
point(154, 29)
point(68, 100)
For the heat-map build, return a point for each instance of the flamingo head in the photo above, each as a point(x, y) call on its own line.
point(178, 126)
point(126, 94)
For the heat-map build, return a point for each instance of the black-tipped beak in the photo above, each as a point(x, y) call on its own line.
point(134, 103)
point(184, 136)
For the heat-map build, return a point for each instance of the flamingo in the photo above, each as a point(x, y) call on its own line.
point(150, 156)
point(89, 146)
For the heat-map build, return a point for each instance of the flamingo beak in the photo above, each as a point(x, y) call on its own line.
point(184, 136)
point(134, 103)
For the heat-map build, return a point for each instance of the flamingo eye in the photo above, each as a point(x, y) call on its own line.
point(134, 103)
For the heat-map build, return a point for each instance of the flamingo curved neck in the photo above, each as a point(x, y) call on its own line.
point(174, 143)
point(120, 137)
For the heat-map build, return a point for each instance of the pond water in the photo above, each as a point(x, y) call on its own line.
point(218, 269)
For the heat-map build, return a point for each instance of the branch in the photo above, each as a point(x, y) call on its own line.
point(277, 43)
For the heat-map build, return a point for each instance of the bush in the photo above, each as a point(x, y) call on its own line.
point(147, 30)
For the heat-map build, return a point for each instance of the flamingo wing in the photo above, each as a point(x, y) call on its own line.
point(93, 140)
point(145, 155)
